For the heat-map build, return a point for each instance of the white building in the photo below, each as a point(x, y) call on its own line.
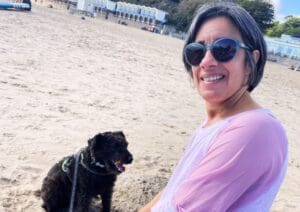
point(148, 15)
point(86, 5)
point(133, 12)
point(105, 5)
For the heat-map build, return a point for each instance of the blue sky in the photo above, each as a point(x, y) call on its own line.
point(286, 7)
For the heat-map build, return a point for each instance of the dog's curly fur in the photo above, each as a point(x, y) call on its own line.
point(104, 158)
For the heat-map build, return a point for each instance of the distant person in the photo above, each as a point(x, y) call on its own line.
point(237, 159)
point(106, 14)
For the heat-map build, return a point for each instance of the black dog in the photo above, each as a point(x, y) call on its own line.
point(98, 166)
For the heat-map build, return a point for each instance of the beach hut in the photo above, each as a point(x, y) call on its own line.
point(86, 6)
point(285, 46)
point(140, 13)
point(105, 5)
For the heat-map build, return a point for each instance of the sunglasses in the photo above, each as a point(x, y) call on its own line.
point(223, 50)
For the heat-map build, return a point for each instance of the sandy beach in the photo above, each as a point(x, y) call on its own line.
point(64, 79)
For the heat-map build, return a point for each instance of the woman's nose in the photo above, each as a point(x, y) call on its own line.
point(208, 60)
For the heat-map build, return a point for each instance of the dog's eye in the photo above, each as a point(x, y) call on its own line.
point(119, 148)
point(115, 147)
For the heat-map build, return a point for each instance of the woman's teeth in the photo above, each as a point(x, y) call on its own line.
point(212, 78)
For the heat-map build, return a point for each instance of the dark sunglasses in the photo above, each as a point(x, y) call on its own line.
point(223, 50)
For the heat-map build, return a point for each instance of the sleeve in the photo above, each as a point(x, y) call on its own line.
point(246, 153)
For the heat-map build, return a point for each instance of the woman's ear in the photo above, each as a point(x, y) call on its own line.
point(256, 55)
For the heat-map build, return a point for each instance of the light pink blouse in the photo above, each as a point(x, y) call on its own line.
point(237, 164)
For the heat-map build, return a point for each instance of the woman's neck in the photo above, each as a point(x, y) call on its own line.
point(240, 102)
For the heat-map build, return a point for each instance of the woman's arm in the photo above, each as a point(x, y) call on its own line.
point(148, 206)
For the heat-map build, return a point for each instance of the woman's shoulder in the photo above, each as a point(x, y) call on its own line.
point(255, 128)
point(258, 118)
point(255, 132)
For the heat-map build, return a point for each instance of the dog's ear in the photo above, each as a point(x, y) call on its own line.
point(119, 134)
point(96, 141)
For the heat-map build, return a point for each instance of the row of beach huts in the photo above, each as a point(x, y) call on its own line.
point(285, 49)
point(285, 46)
point(123, 10)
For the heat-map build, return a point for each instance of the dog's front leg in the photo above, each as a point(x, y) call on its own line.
point(82, 201)
point(82, 204)
point(106, 199)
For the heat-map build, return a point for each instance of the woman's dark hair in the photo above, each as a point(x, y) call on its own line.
point(248, 28)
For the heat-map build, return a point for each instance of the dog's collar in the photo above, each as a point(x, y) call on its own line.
point(68, 161)
point(88, 168)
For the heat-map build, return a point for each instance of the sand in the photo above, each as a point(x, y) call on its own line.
point(64, 79)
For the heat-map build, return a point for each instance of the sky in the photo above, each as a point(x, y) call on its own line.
point(286, 7)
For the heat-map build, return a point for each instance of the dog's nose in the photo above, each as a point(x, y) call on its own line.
point(129, 159)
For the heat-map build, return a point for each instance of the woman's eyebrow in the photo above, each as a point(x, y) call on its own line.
point(216, 38)
point(200, 41)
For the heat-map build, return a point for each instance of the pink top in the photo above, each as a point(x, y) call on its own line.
point(237, 164)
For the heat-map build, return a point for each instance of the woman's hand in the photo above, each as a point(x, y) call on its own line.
point(148, 206)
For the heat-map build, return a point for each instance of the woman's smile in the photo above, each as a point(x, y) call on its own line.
point(213, 78)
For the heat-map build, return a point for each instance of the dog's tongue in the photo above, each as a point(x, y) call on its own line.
point(120, 167)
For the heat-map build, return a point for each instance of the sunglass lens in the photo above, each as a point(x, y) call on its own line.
point(224, 50)
point(194, 53)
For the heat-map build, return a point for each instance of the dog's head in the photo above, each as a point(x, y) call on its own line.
point(109, 150)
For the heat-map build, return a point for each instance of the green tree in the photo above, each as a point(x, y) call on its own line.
point(261, 11)
point(276, 30)
point(184, 13)
point(291, 26)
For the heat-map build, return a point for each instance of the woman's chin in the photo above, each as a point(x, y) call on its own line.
point(212, 96)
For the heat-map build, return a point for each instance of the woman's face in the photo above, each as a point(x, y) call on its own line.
point(219, 81)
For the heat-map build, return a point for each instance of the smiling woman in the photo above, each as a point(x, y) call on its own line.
point(230, 164)
point(222, 76)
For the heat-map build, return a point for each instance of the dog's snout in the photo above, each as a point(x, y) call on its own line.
point(129, 158)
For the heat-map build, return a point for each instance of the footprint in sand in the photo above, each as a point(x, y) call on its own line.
point(9, 135)
point(63, 109)
point(2, 167)
point(4, 181)
point(151, 161)
point(31, 169)
point(19, 85)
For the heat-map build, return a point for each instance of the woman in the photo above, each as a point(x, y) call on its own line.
point(236, 160)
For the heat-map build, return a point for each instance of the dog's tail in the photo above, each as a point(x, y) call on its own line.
point(37, 193)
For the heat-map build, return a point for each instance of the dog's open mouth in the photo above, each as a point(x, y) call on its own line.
point(119, 166)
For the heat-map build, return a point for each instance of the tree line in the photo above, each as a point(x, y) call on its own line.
point(181, 13)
